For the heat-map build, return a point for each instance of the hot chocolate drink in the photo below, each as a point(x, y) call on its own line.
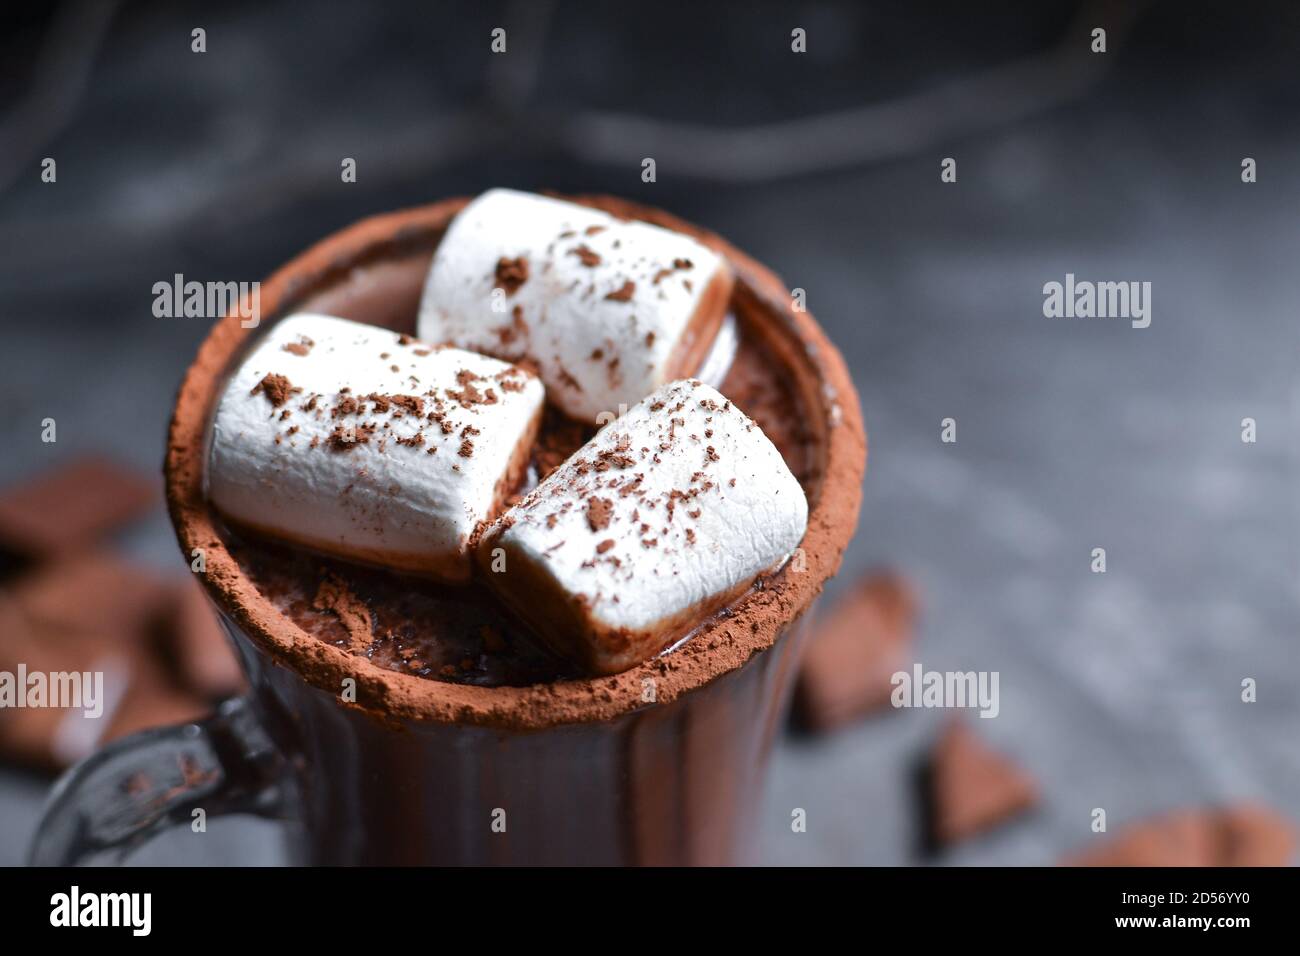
point(403, 696)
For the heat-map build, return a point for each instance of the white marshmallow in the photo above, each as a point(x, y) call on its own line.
point(385, 450)
point(666, 514)
point(608, 309)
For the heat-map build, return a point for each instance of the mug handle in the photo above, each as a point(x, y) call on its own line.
point(133, 789)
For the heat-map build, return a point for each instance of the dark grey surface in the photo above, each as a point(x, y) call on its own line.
point(1119, 690)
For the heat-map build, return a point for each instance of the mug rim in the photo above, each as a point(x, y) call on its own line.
point(751, 626)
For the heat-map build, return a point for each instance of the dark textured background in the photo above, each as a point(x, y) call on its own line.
point(1118, 690)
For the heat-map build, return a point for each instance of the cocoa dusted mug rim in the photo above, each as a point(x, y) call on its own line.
point(752, 624)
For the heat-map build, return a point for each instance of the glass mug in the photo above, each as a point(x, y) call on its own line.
point(413, 771)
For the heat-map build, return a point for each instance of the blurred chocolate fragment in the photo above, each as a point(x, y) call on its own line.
point(95, 592)
point(197, 644)
point(1242, 834)
point(36, 652)
point(69, 506)
point(854, 651)
point(971, 788)
point(1254, 835)
point(92, 615)
point(152, 700)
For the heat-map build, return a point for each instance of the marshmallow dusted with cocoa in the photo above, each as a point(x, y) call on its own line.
point(668, 513)
point(607, 309)
point(371, 445)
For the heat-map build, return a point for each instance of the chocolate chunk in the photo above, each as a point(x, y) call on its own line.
point(1180, 838)
point(28, 734)
point(1235, 835)
point(152, 700)
point(204, 658)
point(92, 593)
point(97, 614)
point(67, 507)
point(854, 652)
point(972, 788)
point(1252, 835)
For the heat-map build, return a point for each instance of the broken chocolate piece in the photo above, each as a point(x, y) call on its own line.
point(1235, 835)
point(92, 615)
point(204, 657)
point(96, 592)
point(854, 651)
point(71, 505)
point(973, 788)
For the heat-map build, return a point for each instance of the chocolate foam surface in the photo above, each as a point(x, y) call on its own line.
point(454, 654)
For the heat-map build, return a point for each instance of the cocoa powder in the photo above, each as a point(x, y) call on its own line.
point(276, 388)
point(511, 274)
